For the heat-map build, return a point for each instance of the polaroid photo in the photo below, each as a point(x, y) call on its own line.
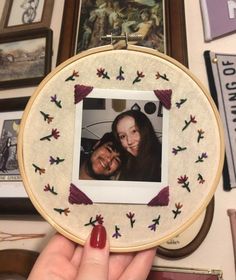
point(95, 116)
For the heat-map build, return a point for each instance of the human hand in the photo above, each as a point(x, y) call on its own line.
point(63, 259)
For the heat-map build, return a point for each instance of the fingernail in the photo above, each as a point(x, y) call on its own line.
point(98, 237)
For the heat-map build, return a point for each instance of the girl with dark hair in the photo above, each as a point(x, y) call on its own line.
point(136, 135)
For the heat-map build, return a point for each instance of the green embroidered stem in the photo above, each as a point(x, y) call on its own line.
point(164, 77)
point(156, 222)
point(201, 157)
point(54, 134)
point(140, 75)
point(178, 149)
point(200, 135)
point(72, 77)
point(66, 211)
point(177, 210)
point(183, 181)
point(38, 169)
point(181, 102)
point(47, 118)
point(50, 189)
point(187, 123)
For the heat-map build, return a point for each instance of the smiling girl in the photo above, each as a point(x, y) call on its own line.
point(135, 133)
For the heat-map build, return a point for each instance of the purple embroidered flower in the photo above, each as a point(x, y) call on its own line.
point(55, 133)
point(183, 180)
point(178, 149)
point(202, 157)
point(57, 102)
point(56, 160)
point(155, 223)
point(117, 233)
point(99, 219)
point(120, 76)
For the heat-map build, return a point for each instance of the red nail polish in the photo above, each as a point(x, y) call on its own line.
point(98, 237)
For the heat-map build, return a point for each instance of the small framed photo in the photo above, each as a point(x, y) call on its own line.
point(13, 198)
point(93, 163)
point(177, 273)
point(26, 14)
point(25, 57)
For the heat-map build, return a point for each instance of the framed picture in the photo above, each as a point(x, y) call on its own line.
point(13, 198)
point(26, 14)
point(188, 241)
point(16, 263)
point(177, 273)
point(92, 127)
point(25, 57)
point(162, 25)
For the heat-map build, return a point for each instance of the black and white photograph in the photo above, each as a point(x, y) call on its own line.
point(9, 170)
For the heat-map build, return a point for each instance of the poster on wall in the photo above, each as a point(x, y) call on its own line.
point(221, 76)
point(219, 18)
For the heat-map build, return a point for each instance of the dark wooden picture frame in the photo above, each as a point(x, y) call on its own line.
point(15, 205)
point(179, 273)
point(197, 239)
point(175, 30)
point(16, 263)
point(29, 11)
point(21, 67)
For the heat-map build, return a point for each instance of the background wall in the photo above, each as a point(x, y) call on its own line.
point(216, 251)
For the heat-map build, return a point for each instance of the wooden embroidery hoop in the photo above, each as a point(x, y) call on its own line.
point(133, 240)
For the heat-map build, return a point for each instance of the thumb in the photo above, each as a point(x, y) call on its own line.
point(94, 262)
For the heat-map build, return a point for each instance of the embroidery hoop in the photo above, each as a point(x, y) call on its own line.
point(153, 225)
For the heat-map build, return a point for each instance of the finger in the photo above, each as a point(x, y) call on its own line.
point(60, 245)
point(118, 263)
point(76, 258)
point(140, 266)
point(94, 262)
point(54, 260)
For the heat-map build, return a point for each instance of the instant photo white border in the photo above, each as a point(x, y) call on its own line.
point(11, 188)
point(102, 191)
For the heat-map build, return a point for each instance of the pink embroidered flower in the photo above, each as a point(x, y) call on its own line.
point(55, 133)
point(182, 179)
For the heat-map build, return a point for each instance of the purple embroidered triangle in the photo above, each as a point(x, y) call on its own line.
point(161, 199)
point(164, 96)
point(81, 92)
point(76, 196)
